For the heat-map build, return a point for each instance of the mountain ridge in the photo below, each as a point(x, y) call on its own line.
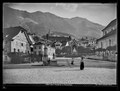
point(41, 22)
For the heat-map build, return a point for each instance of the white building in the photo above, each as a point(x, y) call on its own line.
point(50, 52)
point(41, 48)
point(108, 41)
point(109, 37)
point(16, 39)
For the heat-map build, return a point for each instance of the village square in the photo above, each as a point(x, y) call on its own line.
point(55, 58)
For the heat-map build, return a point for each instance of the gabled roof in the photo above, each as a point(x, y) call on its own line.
point(111, 24)
point(9, 33)
point(113, 32)
point(38, 43)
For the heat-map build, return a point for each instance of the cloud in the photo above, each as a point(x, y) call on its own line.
point(68, 7)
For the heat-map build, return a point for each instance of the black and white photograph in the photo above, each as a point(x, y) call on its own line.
point(60, 43)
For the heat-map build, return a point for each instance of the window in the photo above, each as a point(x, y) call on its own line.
point(14, 50)
point(39, 47)
point(39, 52)
point(21, 44)
point(101, 45)
point(105, 32)
point(5, 57)
point(31, 49)
point(113, 28)
point(109, 42)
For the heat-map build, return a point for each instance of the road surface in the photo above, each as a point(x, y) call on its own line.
point(94, 73)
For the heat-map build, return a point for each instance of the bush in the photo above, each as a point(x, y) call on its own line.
point(17, 58)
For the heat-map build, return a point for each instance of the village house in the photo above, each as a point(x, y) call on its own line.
point(88, 42)
point(38, 48)
point(42, 48)
point(37, 51)
point(109, 39)
point(16, 39)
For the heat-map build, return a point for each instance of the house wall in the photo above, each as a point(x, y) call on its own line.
point(109, 29)
point(6, 46)
point(20, 43)
point(38, 49)
point(106, 41)
point(6, 58)
point(42, 48)
point(50, 52)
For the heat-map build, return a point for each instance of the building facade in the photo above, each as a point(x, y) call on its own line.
point(109, 37)
point(38, 48)
point(50, 52)
point(42, 49)
point(108, 42)
point(16, 39)
point(20, 43)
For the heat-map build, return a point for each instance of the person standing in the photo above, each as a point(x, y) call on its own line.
point(81, 63)
point(72, 62)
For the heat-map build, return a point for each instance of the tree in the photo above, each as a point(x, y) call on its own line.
point(69, 38)
point(36, 38)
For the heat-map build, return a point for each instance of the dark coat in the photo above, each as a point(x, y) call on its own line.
point(81, 65)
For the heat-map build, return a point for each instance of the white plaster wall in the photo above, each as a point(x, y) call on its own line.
point(106, 41)
point(51, 51)
point(16, 43)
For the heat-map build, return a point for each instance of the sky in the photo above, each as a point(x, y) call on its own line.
point(96, 12)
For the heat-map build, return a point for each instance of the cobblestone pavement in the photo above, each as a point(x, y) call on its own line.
point(66, 75)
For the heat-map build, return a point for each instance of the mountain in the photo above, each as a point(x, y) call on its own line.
point(40, 23)
point(85, 27)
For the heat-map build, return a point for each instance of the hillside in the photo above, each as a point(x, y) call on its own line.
point(40, 23)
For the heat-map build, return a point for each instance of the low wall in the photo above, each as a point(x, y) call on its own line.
point(105, 58)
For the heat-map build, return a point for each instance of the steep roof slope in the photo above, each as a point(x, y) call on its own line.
point(111, 24)
point(11, 32)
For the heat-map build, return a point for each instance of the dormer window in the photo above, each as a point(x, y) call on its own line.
point(105, 32)
point(109, 42)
